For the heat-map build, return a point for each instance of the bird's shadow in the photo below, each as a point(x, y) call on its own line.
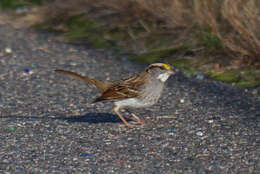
point(91, 118)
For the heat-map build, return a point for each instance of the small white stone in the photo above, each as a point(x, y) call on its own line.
point(8, 50)
point(199, 133)
point(73, 63)
point(210, 121)
point(30, 72)
point(254, 92)
point(172, 133)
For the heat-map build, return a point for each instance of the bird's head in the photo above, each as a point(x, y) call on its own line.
point(161, 71)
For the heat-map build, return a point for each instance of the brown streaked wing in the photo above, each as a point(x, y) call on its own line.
point(126, 88)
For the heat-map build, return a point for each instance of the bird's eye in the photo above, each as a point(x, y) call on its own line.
point(162, 68)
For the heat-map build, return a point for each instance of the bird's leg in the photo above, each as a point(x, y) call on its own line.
point(116, 109)
point(139, 121)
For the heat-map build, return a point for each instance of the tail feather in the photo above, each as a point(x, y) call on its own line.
point(101, 85)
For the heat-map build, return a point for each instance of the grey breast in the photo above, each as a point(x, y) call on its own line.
point(151, 92)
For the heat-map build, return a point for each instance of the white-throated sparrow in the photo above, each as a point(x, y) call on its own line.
point(139, 91)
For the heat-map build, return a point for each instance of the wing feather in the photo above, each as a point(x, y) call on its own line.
point(125, 88)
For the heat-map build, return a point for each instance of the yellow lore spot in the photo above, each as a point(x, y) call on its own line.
point(166, 66)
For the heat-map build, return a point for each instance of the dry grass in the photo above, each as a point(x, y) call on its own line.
point(235, 22)
point(243, 19)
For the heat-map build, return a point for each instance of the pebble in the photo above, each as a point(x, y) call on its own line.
point(11, 128)
point(210, 121)
point(20, 10)
point(8, 50)
point(27, 71)
point(176, 69)
point(92, 171)
point(172, 133)
point(20, 125)
point(5, 161)
point(256, 91)
point(200, 76)
point(73, 63)
point(181, 100)
point(85, 154)
point(199, 133)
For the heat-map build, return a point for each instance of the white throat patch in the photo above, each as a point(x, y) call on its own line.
point(163, 77)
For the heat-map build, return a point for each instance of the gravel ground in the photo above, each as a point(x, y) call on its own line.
point(48, 123)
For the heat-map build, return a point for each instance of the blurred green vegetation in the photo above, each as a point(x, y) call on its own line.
point(245, 78)
point(211, 42)
point(228, 76)
point(12, 4)
point(81, 29)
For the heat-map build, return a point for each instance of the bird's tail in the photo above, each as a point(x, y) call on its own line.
point(101, 85)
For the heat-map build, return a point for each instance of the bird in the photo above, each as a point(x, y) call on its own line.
point(137, 91)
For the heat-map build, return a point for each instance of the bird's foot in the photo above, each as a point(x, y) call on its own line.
point(138, 120)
